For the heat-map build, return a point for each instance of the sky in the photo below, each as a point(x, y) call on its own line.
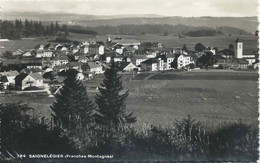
point(186, 8)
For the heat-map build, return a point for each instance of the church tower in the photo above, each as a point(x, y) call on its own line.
point(108, 39)
point(238, 49)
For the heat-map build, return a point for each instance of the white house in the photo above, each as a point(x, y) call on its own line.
point(23, 81)
point(137, 59)
point(127, 66)
point(10, 75)
point(119, 49)
point(84, 49)
point(27, 54)
point(39, 47)
point(95, 67)
point(47, 54)
point(183, 60)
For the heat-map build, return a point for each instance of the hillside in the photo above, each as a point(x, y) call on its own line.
point(249, 24)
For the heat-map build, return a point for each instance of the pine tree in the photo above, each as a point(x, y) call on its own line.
point(111, 101)
point(52, 30)
point(57, 28)
point(72, 108)
point(184, 48)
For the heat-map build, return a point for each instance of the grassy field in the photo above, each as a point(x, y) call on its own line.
point(213, 97)
point(171, 41)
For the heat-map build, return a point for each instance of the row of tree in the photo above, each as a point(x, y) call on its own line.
point(18, 29)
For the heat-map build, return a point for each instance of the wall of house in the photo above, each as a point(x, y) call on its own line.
point(169, 62)
point(130, 67)
point(101, 50)
point(31, 82)
point(154, 67)
point(97, 70)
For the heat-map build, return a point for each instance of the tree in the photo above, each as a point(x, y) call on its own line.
point(65, 30)
point(57, 28)
point(231, 46)
point(184, 48)
point(199, 47)
point(73, 107)
point(52, 29)
point(23, 132)
point(256, 33)
point(111, 100)
point(206, 60)
point(8, 54)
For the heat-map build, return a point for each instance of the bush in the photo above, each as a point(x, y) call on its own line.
point(32, 88)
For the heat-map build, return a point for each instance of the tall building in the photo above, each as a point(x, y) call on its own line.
point(238, 49)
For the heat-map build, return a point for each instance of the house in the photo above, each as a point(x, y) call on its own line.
point(126, 42)
point(10, 76)
point(75, 65)
point(27, 54)
point(119, 49)
point(233, 63)
point(47, 69)
point(84, 49)
point(109, 56)
point(151, 55)
point(83, 59)
point(77, 55)
point(137, 59)
point(256, 65)
point(18, 52)
point(162, 64)
point(39, 53)
point(157, 45)
point(126, 66)
point(23, 81)
point(61, 48)
point(80, 76)
point(31, 70)
point(34, 65)
point(150, 64)
point(94, 67)
point(60, 68)
point(39, 47)
point(96, 49)
point(227, 53)
point(181, 61)
point(49, 47)
point(47, 54)
point(59, 60)
point(169, 62)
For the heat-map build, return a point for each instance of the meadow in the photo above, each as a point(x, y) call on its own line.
point(212, 97)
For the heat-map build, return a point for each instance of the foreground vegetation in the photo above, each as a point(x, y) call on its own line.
point(185, 140)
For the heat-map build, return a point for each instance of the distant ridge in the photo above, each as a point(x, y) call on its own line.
point(248, 24)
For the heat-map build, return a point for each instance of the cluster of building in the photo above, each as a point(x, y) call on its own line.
point(93, 57)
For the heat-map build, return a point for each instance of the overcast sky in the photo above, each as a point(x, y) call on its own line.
point(185, 8)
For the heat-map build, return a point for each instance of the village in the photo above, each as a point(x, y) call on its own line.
point(42, 68)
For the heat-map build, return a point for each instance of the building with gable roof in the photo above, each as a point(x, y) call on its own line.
point(23, 81)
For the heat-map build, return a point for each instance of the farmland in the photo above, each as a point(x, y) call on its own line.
point(213, 97)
